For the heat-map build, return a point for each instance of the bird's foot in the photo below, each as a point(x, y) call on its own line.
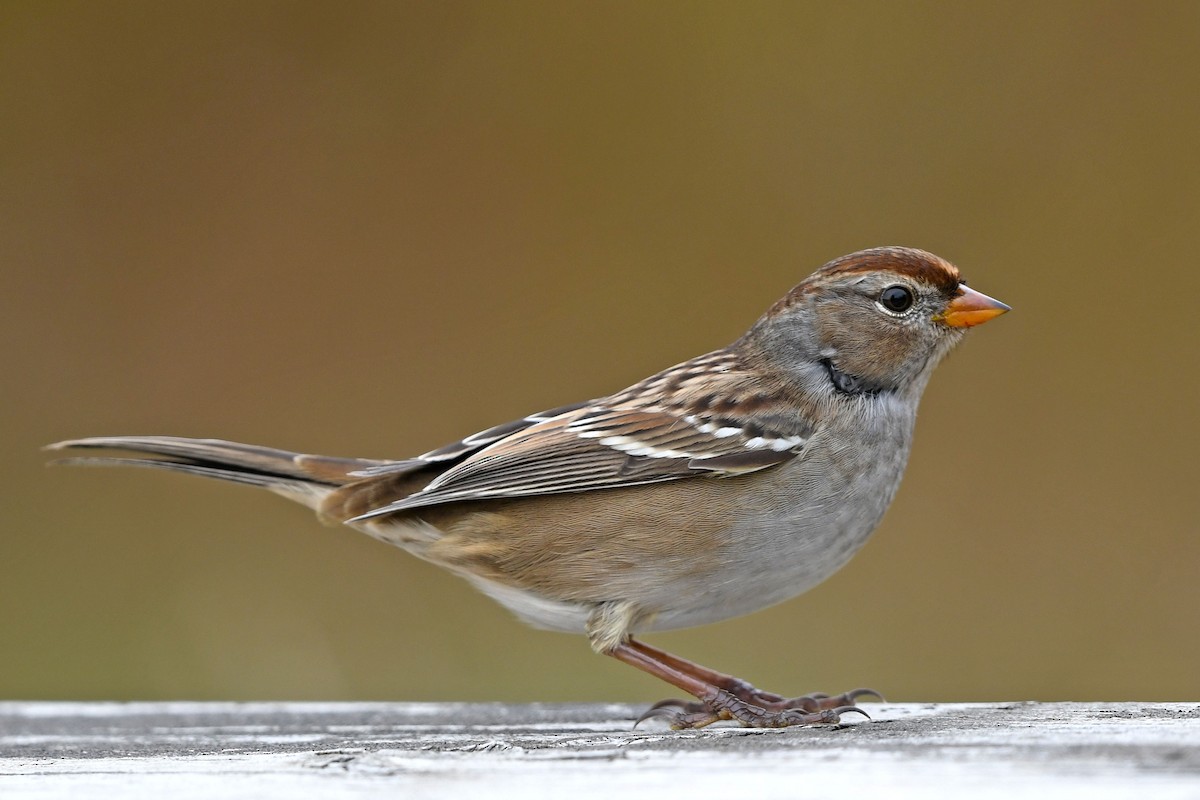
point(817, 701)
point(773, 712)
point(768, 701)
point(723, 697)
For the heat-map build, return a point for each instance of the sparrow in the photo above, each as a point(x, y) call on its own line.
point(720, 486)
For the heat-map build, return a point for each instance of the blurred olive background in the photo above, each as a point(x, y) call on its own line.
point(370, 228)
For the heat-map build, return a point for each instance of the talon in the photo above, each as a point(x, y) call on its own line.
point(848, 710)
point(672, 707)
point(681, 714)
point(652, 714)
point(854, 694)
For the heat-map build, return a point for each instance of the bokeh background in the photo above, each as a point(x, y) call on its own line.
point(370, 228)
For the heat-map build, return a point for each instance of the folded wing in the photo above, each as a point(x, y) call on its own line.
point(598, 447)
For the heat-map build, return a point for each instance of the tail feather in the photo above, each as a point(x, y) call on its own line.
point(297, 476)
point(248, 478)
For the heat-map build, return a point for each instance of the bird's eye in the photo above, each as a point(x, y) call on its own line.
point(896, 299)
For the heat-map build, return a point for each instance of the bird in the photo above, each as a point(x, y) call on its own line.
point(720, 486)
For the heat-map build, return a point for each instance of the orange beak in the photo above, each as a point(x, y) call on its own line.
point(970, 308)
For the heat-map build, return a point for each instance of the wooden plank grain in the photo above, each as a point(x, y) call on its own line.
point(333, 750)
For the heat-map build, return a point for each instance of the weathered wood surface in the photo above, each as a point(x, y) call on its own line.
point(415, 750)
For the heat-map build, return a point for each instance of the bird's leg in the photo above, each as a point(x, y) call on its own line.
point(817, 701)
point(715, 701)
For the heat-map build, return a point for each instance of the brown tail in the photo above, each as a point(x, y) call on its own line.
point(304, 478)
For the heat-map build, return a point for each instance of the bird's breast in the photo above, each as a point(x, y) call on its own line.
point(805, 519)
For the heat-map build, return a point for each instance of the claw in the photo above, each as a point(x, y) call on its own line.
point(848, 710)
point(680, 714)
point(663, 708)
point(854, 694)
